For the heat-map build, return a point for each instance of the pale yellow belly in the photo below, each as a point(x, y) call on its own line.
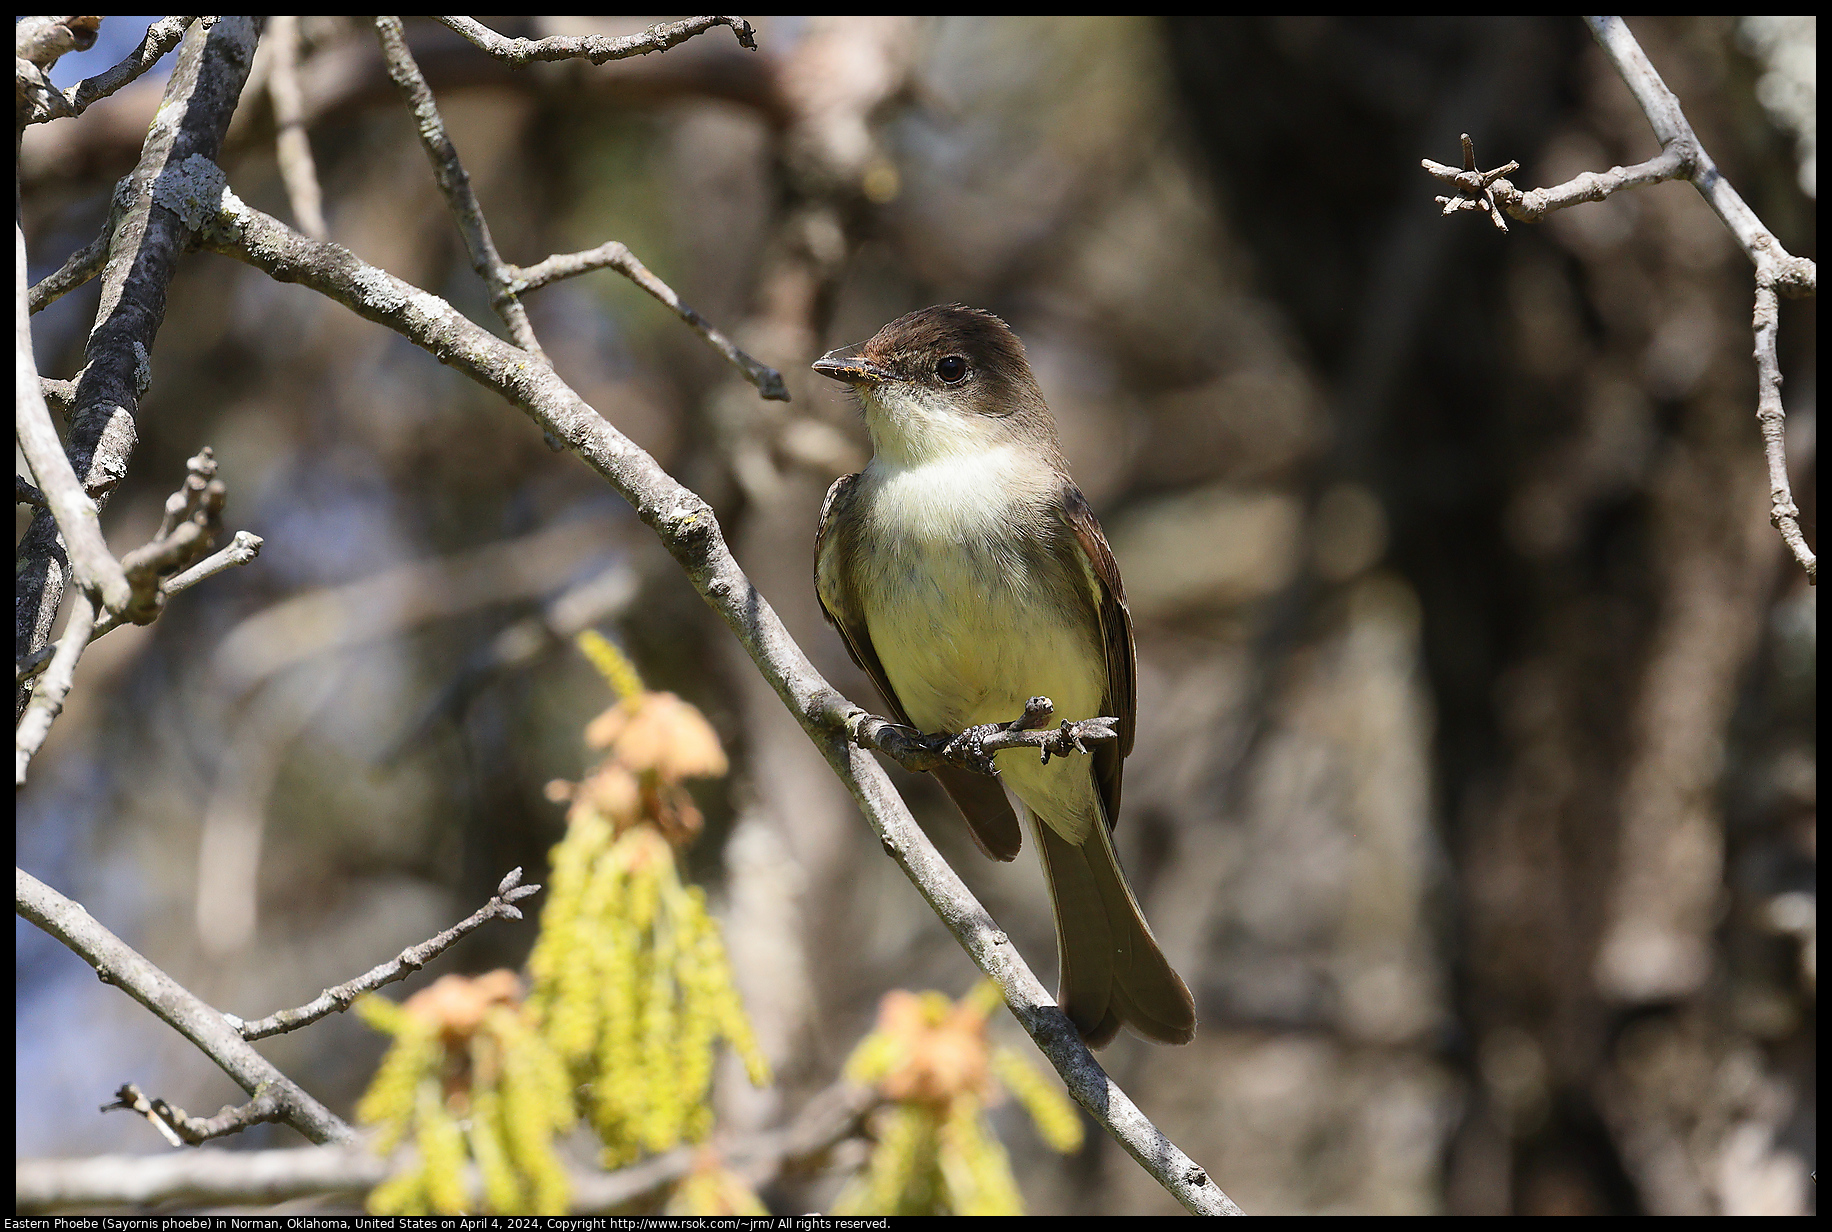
point(966, 640)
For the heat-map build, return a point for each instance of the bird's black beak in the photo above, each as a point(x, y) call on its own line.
point(848, 365)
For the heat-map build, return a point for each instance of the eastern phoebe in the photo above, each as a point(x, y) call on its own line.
point(966, 574)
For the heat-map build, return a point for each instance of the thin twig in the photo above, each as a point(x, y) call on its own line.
point(616, 256)
point(455, 183)
point(973, 749)
point(1534, 206)
point(193, 514)
point(119, 964)
point(597, 48)
point(242, 549)
point(83, 264)
point(48, 697)
point(337, 1000)
point(1783, 513)
point(1682, 156)
point(292, 146)
point(689, 530)
point(180, 1128)
point(161, 37)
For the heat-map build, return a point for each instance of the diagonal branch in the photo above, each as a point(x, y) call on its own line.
point(161, 37)
point(82, 265)
point(119, 964)
point(192, 518)
point(336, 1000)
point(455, 183)
point(180, 1128)
point(75, 513)
point(690, 532)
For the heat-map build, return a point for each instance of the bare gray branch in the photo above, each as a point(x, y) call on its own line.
point(219, 1178)
point(180, 1128)
point(144, 250)
point(338, 999)
point(597, 48)
point(119, 964)
point(455, 183)
point(242, 549)
point(1682, 156)
point(616, 256)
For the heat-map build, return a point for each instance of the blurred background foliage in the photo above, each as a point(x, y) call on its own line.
point(1474, 790)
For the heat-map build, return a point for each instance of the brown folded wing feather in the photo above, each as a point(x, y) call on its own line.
point(1116, 631)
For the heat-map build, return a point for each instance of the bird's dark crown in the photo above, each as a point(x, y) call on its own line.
point(952, 346)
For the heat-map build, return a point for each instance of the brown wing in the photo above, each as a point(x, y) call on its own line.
point(1116, 631)
point(980, 799)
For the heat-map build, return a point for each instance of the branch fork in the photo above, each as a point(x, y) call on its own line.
point(1475, 189)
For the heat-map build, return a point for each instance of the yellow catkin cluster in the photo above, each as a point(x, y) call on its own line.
point(632, 985)
point(936, 1153)
point(470, 1081)
point(634, 990)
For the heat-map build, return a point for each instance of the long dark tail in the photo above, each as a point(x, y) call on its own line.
point(1112, 969)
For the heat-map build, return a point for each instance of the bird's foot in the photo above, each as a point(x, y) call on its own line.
point(968, 748)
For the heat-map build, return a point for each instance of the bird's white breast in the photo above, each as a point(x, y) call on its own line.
point(968, 619)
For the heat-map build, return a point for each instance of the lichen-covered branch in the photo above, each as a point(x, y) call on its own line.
point(119, 964)
point(144, 249)
point(66, 503)
point(690, 532)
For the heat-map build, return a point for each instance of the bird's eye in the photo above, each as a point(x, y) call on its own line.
point(951, 368)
